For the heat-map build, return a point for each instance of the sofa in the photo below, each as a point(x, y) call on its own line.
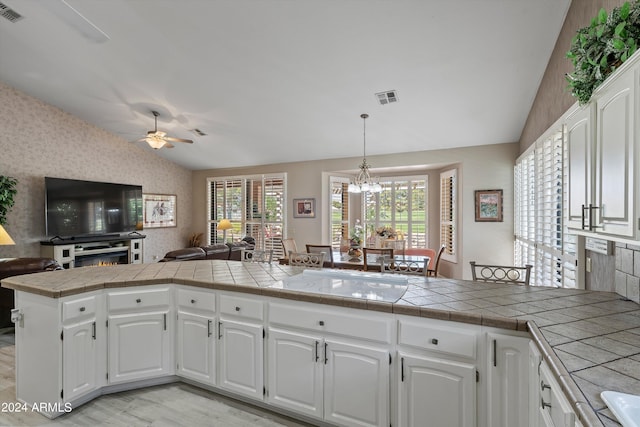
point(15, 267)
point(226, 251)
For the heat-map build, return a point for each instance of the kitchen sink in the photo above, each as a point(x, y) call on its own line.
point(626, 407)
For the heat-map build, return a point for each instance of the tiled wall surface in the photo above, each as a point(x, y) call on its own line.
point(627, 272)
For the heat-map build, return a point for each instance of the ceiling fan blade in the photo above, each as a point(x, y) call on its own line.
point(169, 138)
point(167, 145)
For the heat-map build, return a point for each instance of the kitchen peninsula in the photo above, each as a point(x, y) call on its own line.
point(110, 314)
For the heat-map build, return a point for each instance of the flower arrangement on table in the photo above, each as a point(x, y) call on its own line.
point(357, 233)
point(386, 232)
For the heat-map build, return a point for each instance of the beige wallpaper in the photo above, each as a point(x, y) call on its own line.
point(553, 99)
point(38, 140)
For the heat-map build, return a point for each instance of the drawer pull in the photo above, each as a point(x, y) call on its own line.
point(82, 308)
point(209, 333)
point(434, 341)
point(237, 308)
point(321, 323)
point(193, 301)
point(544, 386)
point(544, 404)
point(138, 300)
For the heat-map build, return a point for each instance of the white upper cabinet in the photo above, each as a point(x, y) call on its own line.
point(602, 141)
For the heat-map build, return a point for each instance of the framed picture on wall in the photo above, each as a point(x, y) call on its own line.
point(159, 210)
point(304, 208)
point(488, 205)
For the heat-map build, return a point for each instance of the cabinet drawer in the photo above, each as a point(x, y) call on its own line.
point(79, 308)
point(199, 300)
point(437, 338)
point(242, 307)
point(139, 299)
point(375, 328)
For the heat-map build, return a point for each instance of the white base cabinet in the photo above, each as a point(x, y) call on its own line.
point(140, 333)
point(356, 389)
point(330, 364)
point(436, 392)
point(508, 380)
point(295, 371)
point(196, 335)
point(241, 345)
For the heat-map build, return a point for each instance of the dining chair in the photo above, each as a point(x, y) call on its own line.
point(383, 254)
point(256, 255)
point(501, 273)
point(325, 249)
point(289, 245)
point(434, 271)
point(416, 268)
point(305, 259)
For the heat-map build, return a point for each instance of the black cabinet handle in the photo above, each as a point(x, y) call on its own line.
point(321, 323)
point(138, 300)
point(326, 359)
point(402, 369)
point(495, 353)
point(82, 308)
point(434, 341)
point(317, 355)
point(209, 327)
point(93, 326)
point(219, 330)
point(193, 301)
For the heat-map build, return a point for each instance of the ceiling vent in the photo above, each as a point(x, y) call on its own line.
point(387, 97)
point(197, 132)
point(10, 14)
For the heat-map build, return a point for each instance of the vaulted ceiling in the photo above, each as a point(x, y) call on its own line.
point(272, 81)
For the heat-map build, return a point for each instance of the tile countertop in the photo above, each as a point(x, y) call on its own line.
point(590, 339)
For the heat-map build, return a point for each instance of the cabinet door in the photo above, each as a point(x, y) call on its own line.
point(356, 378)
point(534, 384)
point(195, 349)
point(508, 380)
point(615, 154)
point(578, 133)
point(436, 392)
point(139, 347)
point(79, 356)
point(241, 358)
point(295, 371)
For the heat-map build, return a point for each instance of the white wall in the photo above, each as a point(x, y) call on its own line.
point(479, 168)
point(38, 140)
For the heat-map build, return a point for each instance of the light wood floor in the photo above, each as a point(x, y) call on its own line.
point(170, 405)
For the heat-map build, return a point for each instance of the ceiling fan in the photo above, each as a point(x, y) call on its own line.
point(158, 139)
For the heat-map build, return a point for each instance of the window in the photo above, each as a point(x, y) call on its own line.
point(401, 205)
point(542, 237)
point(255, 205)
point(339, 211)
point(448, 214)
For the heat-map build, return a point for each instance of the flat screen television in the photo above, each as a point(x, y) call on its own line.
point(77, 208)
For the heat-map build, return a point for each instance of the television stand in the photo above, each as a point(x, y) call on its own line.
point(104, 249)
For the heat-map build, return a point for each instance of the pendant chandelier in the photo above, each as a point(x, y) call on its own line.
point(363, 182)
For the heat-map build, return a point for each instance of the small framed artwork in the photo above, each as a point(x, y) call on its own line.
point(488, 205)
point(304, 208)
point(159, 210)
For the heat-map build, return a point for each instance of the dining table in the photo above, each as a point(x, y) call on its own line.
point(345, 261)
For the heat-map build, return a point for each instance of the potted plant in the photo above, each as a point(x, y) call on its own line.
point(7, 192)
point(599, 49)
